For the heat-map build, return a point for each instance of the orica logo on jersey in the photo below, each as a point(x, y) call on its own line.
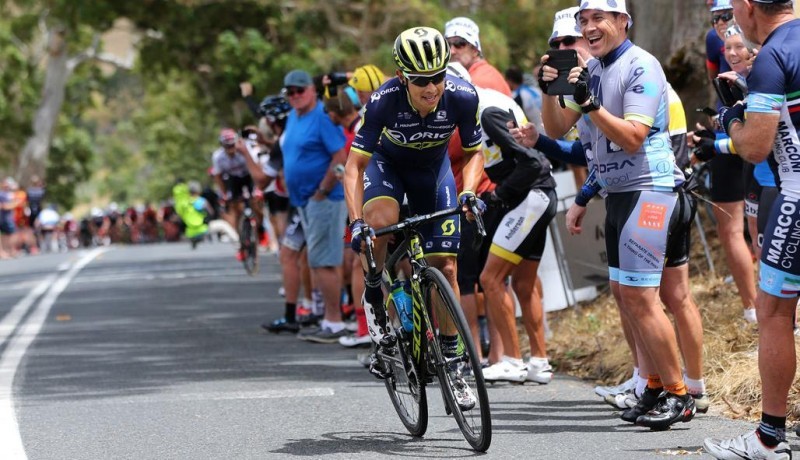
point(451, 86)
point(376, 96)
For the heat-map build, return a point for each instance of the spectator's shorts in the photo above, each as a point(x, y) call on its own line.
point(294, 238)
point(637, 226)
point(679, 242)
point(323, 224)
point(727, 178)
point(779, 272)
point(276, 203)
point(469, 261)
point(522, 232)
point(7, 226)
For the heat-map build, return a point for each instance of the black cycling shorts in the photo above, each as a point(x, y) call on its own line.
point(727, 178)
point(679, 241)
point(238, 187)
point(471, 262)
point(276, 203)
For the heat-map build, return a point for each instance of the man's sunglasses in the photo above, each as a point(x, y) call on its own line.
point(425, 80)
point(292, 90)
point(458, 43)
point(567, 41)
point(725, 17)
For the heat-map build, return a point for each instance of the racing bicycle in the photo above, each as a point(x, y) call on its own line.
point(248, 239)
point(428, 310)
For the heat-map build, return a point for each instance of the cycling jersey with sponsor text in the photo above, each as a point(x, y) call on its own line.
point(392, 127)
point(630, 84)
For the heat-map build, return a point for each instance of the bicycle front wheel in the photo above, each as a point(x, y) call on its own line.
point(249, 242)
point(459, 372)
point(406, 385)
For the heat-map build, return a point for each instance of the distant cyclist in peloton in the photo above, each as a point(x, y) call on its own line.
point(401, 149)
point(229, 167)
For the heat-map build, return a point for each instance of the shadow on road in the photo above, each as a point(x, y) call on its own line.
point(378, 443)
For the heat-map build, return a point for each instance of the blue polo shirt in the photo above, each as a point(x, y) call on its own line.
point(309, 142)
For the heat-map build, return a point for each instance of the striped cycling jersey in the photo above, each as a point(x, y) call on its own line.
point(392, 127)
point(774, 88)
point(630, 84)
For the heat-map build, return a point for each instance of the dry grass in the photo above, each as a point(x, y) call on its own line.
point(587, 342)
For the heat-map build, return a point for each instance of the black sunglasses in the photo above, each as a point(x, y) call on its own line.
point(292, 90)
point(567, 41)
point(425, 80)
point(458, 43)
point(725, 17)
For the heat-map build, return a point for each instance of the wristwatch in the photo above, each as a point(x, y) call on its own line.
point(591, 105)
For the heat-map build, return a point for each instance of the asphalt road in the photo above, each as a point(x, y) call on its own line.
point(155, 352)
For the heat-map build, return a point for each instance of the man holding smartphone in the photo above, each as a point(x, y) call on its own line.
point(620, 104)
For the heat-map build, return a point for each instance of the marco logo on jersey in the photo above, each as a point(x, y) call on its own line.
point(785, 242)
point(785, 143)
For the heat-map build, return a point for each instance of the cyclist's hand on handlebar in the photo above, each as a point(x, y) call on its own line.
point(359, 230)
point(468, 202)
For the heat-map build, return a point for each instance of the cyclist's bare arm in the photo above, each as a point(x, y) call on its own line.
point(354, 184)
point(260, 179)
point(221, 185)
point(472, 169)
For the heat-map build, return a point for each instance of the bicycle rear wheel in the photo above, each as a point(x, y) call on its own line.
point(406, 385)
point(249, 242)
point(463, 370)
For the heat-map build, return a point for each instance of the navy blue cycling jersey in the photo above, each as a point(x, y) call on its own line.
point(774, 88)
point(392, 127)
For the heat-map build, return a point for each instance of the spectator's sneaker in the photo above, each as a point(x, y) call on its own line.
point(701, 402)
point(351, 326)
point(539, 372)
point(301, 311)
point(282, 291)
point(628, 385)
point(750, 315)
point(310, 320)
point(647, 402)
point(463, 394)
point(281, 325)
point(348, 311)
point(505, 371)
point(747, 445)
point(322, 335)
point(240, 255)
point(623, 401)
point(671, 409)
point(352, 340)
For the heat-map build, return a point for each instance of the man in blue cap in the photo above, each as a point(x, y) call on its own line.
point(311, 146)
point(769, 123)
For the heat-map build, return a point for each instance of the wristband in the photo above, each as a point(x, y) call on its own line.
point(725, 146)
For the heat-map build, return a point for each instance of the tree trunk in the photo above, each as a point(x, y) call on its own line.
point(674, 32)
point(33, 160)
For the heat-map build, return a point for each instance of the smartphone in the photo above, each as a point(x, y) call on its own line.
point(513, 118)
point(563, 61)
point(728, 94)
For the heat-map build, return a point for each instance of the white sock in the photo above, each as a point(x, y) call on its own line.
point(693, 386)
point(641, 384)
point(635, 372)
point(539, 362)
point(514, 361)
point(334, 327)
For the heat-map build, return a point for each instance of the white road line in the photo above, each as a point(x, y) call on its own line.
point(10, 321)
point(10, 437)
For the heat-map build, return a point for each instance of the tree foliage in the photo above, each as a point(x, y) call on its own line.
point(135, 131)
